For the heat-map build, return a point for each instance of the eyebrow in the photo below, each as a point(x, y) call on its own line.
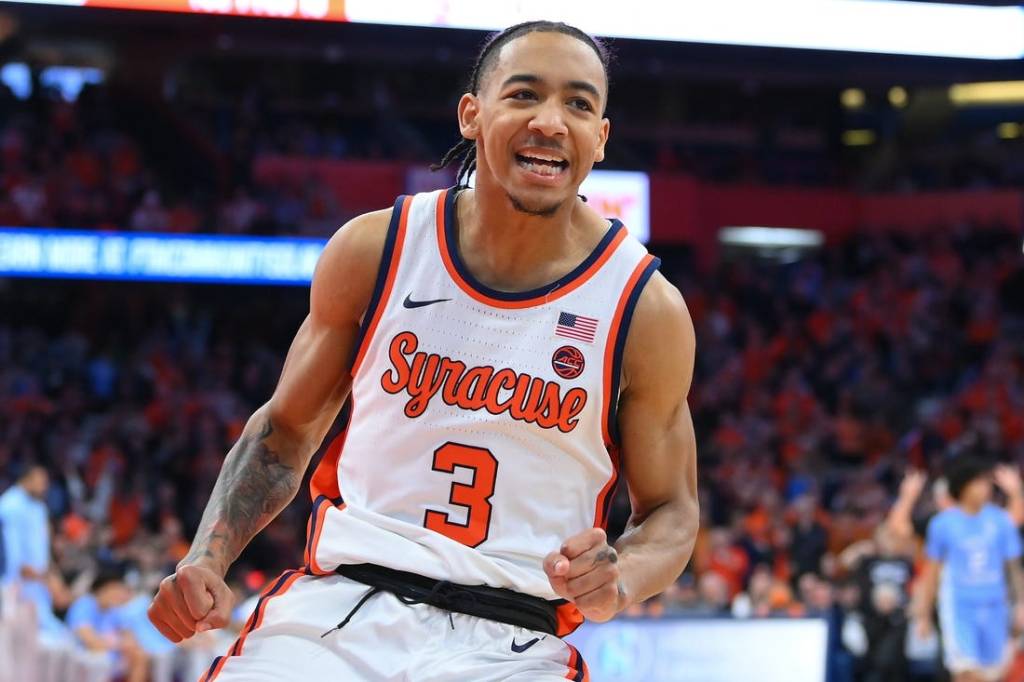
point(531, 78)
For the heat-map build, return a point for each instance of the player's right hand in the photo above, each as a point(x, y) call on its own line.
point(1007, 477)
point(912, 484)
point(193, 599)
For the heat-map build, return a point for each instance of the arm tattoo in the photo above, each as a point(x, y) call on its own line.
point(254, 484)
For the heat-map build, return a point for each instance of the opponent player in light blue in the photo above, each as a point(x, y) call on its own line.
point(973, 562)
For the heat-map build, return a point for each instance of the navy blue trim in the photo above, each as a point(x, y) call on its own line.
point(606, 508)
point(581, 667)
point(209, 671)
point(620, 346)
point(320, 499)
point(260, 606)
point(451, 237)
point(382, 273)
point(253, 618)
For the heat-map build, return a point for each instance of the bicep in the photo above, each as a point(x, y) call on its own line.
point(656, 428)
point(315, 379)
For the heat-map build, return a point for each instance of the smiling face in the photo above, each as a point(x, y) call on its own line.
point(537, 120)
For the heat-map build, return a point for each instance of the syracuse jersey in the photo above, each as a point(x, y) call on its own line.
point(482, 428)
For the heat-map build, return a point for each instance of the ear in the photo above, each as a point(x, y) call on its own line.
point(602, 138)
point(469, 112)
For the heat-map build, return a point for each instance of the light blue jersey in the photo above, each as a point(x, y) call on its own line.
point(26, 533)
point(973, 550)
point(973, 600)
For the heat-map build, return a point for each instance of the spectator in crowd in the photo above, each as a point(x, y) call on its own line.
point(809, 537)
point(97, 621)
point(25, 527)
point(977, 548)
point(886, 628)
point(824, 381)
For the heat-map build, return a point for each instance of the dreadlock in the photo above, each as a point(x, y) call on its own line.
point(464, 150)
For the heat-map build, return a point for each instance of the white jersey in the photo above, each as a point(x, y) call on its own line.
point(482, 429)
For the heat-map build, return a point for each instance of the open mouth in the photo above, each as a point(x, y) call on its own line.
point(541, 165)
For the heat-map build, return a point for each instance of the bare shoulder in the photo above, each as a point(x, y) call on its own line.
point(660, 310)
point(347, 270)
point(661, 342)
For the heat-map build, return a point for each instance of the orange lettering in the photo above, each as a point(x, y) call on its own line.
point(452, 371)
point(533, 400)
point(551, 405)
point(472, 391)
point(574, 402)
point(397, 354)
point(423, 384)
point(503, 378)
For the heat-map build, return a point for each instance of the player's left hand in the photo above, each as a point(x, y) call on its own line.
point(585, 571)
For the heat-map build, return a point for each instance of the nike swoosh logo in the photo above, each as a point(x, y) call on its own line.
point(409, 303)
point(520, 648)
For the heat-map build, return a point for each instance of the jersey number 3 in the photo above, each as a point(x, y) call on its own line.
point(474, 496)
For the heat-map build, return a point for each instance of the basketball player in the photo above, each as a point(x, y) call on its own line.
point(507, 352)
point(973, 551)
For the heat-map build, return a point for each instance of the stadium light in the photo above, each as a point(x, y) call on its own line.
point(858, 137)
point(987, 94)
point(897, 27)
point(1008, 130)
point(898, 96)
point(852, 98)
point(771, 237)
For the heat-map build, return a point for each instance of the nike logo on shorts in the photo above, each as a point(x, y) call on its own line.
point(409, 303)
point(520, 648)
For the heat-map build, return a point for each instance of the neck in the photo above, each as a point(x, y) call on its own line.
point(971, 507)
point(509, 250)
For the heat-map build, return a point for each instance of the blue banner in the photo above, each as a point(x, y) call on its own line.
point(78, 254)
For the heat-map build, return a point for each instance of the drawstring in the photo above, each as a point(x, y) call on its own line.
point(442, 594)
point(369, 593)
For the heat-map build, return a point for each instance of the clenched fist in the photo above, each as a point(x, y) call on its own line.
point(193, 599)
point(585, 571)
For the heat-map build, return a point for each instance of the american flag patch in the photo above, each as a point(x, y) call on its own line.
point(576, 327)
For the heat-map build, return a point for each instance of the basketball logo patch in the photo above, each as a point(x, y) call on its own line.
point(568, 362)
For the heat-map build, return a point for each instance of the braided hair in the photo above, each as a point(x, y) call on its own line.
point(464, 151)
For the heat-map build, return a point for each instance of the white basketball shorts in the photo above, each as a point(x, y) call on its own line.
point(292, 635)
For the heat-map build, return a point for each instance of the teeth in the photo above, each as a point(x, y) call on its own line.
point(540, 168)
point(545, 157)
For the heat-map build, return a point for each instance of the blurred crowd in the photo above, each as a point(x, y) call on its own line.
point(84, 164)
point(112, 158)
point(819, 384)
point(126, 401)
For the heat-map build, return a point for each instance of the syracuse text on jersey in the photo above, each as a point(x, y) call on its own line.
point(532, 399)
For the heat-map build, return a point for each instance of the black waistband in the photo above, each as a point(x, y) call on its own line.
point(492, 603)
